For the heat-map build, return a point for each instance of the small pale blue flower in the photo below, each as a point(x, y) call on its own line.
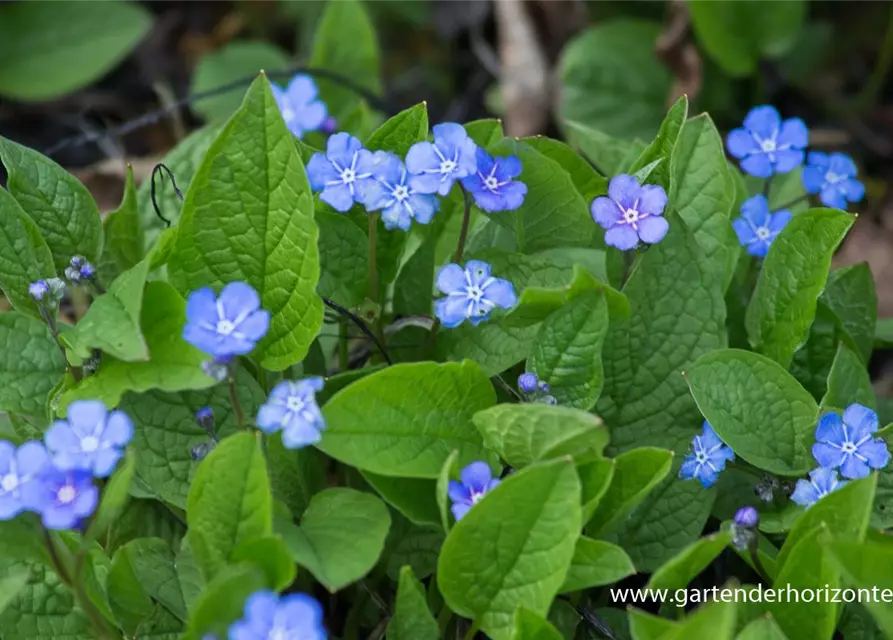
point(768, 145)
point(527, 382)
point(477, 481)
point(65, 497)
point(833, 177)
point(472, 294)
point(292, 408)
point(91, 439)
point(205, 417)
point(343, 174)
point(79, 269)
point(299, 106)
point(400, 204)
point(436, 166)
point(757, 228)
point(228, 325)
point(38, 290)
point(707, 458)
point(747, 517)
point(493, 185)
point(821, 482)
point(20, 470)
point(267, 616)
point(849, 443)
point(631, 212)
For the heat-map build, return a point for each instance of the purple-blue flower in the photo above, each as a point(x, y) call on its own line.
point(228, 325)
point(65, 497)
point(477, 481)
point(47, 292)
point(631, 212)
point(833, 177)
point(757, 227)
point(768, 145)
point(747, 517)
point(436, 166)
point(19, 477)
point(91, 439)
point(295, 616)
point(707, 458)
point(527, 382)
point(493, 186)
point(849, 443)
point(79, 269)
point(38, 290)
point(471, 294)
point(343, 174)
point(400, 204)
point(821, 482)
point(299, 106)
point(292, 408)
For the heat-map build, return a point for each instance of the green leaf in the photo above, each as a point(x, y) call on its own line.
point(345, 43)
point(611, 86)
point(412, 619)
point(173, 365)
point(229, 501)
point(867, 566)
point(848, 382)
point(609, 154)
point(399, 133)
point(586, 179)
point(764, 628)
point(448, 471)
point(270, 555)
point(31, 364)
point(531, 626)
point(595, 479)
point(415, 498)
point(526, 433)
point(851, 295)
point(647, 626)
point(567, 351)
point(230, 63)
point(11, 585)
point(115, 496)
point(596, 563)
point(415, 282)
point(703, 192)
point(59, 204)
point(344, 259)
point(341, 536)
point(223, 601)
point(679, 571)
point(492, 560)
point(124, 239)
point(442, 397)
point(150, 565)
point(713, 621)
point(757, 408)
point(26, 257)
point(636, 473)
point(44, 609)
point(413, 545)
point(295, 474)
point(812, 362)
point(663, 146)
point(791, 279)
point(248, 217)
point(51, 51)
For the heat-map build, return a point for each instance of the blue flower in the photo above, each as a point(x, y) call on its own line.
point(707, 459)
point(65, 497)
point(38, 290)
point(766, 145)
point(91, 439)
point(747, 517)
point(19, 477)
point(435, 167)
point(472, 294)
point(631, 212)
point(833, 177)
point(79, 269)
point(295, 616)
point(821, 482)
point(477, 481)
point(400, 204)
point(47, 292)
point(757, 228)
point(298, 105)
point(343, 174)
point(292, 408)
point(226, 326)
point(205, 417)
point(492, 185)
point(527, 382)
point(850, 443)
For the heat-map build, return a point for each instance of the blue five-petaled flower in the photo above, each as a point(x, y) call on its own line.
point(343, 174)
point(472, 294)
point(292, 409)
point(434, 167)
point(833, 177)
point(91, 439)
point(228, 325)
point(267, 616)
point(477, 481)
point(493, 185)
point(392, 192)
point(849, 443)
point(708, 457)
point(20, 470)
point(299, 106)
point(821, 482)
point(757, 227)
point(767, 145)
point(631, 212)
point(66, 497)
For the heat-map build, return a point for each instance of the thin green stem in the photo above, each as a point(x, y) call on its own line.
point(795, 201)
point(50, 319)
point(443, 619)
point(373, 268)
point(234, 397)
point(472, 631)
point(755, 558)
point(881, 68)
point(343, 353)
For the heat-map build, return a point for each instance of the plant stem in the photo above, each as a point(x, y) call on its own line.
point(767, 186)
point(755, 558)
point(798, 200)
point(443, 619)
point(343, 361)
point(472, 631)
point(373, 268)
point(50, 319)
point(463, 231)
point(233, 396)
point(881, 68)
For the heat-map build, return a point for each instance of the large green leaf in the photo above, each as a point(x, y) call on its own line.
point(412, 619)
point(124, 238)
point(867, 566)
point(851, 295)
point(531, 626)
point(415, 498)
point(494, 559)
point(150, 563)
point(31, 364)
point(596, 563)
point(344, 260)
point(421, 413)
point(663, 146)
point(609, 154)
point(586, 179)
point(295, 474)
point(44, 610)
point(24, 255)
point(685, 566)
point(791, 279)
point(222, 602)
point(399, 133)
point(757, 408)
point(248, 217)
point(848, 382)
point(53, 49)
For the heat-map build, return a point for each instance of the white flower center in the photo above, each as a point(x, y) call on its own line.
point(9, 482)
point(348, 176)
point(768, 145)
point(89, 444)
point(400, 192)
point(225, 327)
point(294, 404)
point(631, 215)
point(701, 457)
point(277, 633)
point(447, 166)
point(474, 293)
point(491, 183)
point(848, 447)
point(834, 178)
point(288, 114)
point(476, 497)
point(66, 494)
point(763, 233)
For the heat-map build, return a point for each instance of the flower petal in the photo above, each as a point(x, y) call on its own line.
point(652, 199)
point(842, 165)
point(744, 231)
point(758, 165)
point(451, 310)
point(261, 606)
point(341, 148)
point(794, 133)
point(853, 468)
point(876, 452)
point(823, 478)
point(653, 229)
point(459, 510)
point(85, 415)
point(458, 492)
point(31, 458)
point(476, 476)
point(451, 278)
point(338, 197)
point(105, 461)
point(320, 172)
point(118, 429)
point(624, 190)
point(828, 455)
point(201, 307)
point(422, 157)
point(238, 299)
point(299, 435)
point(804, 493)
point(763, 121)
point(270, 417)
point(622, 236)
point(478, 272)
point(813, 178)
point(831, 196)
point(301, 90)
point(689, 468)
point(756, 211)
point(312, 116)
point(786, 160)
point(830, 429)
point(779, 221)
point(741, 144)
point(61, 437)
point(853, 190)
point(605, 212)
point(861, 420)
point(501, 293)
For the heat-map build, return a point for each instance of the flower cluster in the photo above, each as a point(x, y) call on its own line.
point(476, 481)
point(79, 268)
point(55, 478)
point(228, 325)
point(47, 293)
point(267, 616)
point(292, 409)
point(471, 294)
point(535, 389)
point(631, 212)
point(404, 191)
point(707, 458)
